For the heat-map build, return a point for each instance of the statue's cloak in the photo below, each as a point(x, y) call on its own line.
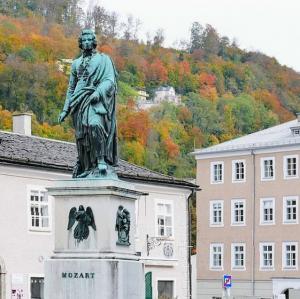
point(99, 75)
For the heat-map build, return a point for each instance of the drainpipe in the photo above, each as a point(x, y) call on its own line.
point(190, 240)
point(253, 223)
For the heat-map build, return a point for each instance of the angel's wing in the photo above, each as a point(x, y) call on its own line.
point(89, 212)
point(72, 218)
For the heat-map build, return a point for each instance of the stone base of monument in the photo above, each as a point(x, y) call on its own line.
point(91, 279)
point(94, 255)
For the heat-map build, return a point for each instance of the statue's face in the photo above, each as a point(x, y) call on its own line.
point(87, 42)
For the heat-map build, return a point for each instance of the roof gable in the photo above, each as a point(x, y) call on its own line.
point(274, 136)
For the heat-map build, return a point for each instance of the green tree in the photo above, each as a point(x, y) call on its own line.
point(196, 37)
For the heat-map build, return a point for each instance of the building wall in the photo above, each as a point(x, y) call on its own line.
point(253, 232)
point(242, 289)
point(174, 267)
point(23, 251)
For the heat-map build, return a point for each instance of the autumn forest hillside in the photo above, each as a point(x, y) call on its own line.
point(226, 91)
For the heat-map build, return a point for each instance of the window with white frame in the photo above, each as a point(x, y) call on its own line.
point(267, 211)
point(290, 209)
point(238, 171)
point(238, 256)
point(39, 209)
point(266, 256)
point(267, 168)
point(164, 219)
point(291, 167)
point(290, 255)
point(216, 212)
point(238, 211)
point(217, 172)
point(216, 256)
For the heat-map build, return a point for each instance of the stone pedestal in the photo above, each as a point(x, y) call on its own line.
point(97, 267)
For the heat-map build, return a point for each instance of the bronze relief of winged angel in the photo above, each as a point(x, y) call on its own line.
point(84, 218)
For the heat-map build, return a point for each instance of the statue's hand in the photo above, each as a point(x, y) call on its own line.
point(62, 116)
point(94, 97)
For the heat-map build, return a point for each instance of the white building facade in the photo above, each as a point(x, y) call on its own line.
point(28, 165)
point(166, 94)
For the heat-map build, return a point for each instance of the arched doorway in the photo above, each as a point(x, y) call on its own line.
point(2, 278)
point(148, 285)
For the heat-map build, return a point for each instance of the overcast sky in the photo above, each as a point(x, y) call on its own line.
point(268, 26)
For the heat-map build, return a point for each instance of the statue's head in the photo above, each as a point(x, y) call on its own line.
point(87, 40)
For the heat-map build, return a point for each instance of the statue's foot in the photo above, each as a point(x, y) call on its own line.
point(102, 167)
point(83, 175)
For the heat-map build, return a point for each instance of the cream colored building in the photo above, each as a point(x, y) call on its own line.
point(248, 215)
point(29, 164)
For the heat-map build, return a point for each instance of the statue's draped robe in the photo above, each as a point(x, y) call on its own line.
point(94, 123)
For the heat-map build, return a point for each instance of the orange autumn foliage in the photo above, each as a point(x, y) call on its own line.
point(5, 119)
point(106, 49)
point(171, 147)
point(119, 62)
point(184, 69)
point(164, 127)
point(207, 86)
point(272, 101)
point(206, 79)
point(134, 125)
point(209, 93)
point(157, 72)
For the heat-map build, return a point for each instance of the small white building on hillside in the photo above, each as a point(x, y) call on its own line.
point(162, 94)
point(166, 94)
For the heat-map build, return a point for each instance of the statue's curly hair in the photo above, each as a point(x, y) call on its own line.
point(86, 32)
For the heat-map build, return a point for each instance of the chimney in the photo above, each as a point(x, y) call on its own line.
point(298, 116)
point(22, 123)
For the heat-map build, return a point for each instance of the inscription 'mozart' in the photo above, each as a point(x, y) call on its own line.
point(87, 275)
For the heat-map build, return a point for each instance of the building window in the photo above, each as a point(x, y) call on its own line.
point(267, 211)
point(290, 255)
point(238, 256)
point(267, 256)
point(296, 131)
point(267, 169)
point(290, 209)
point(39, 210)
point(291, 167)
point(217, 172)
point(165, 289)
point(238, 171)
point(164, 219)
point(216, 256)
point(216, 213)
point(238, 212)
point(37, 287)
